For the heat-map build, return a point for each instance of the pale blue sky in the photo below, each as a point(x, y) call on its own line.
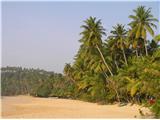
point(45, 34)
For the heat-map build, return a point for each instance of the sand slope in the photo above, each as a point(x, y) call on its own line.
point(31, 107)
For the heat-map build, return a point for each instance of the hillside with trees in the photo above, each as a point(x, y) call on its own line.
point(36, 82)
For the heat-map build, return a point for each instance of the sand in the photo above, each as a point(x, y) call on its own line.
point(34, 107)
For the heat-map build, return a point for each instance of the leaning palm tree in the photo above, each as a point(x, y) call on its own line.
point(142, 22)
point(92, 37)
point(119, 35)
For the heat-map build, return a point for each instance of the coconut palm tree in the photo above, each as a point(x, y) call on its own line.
point(119, 35)
point(157, 38)
point(79, 69)
point(92, 37)
point(68, 71)
point(66, 68)
point(142, 22)
point(113, 51)
point(136, 43)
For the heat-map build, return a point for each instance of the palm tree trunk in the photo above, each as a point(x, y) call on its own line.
point(145, 45)
point(104, 60)
point(116, 65)
point(106, 76)
point(109, 71)
point(117, 95)
point(124, 55)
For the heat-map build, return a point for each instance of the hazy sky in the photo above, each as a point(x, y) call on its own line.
point(45, 34)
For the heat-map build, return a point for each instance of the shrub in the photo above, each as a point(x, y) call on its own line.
point(156, 109)
point(43, 91)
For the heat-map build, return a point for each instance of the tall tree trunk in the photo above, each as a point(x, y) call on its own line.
point(116, 65)
point(105, 74)
point(145, 45)
point(104, 60)
point(124, 55)
point(109, 71)
point(118, 98)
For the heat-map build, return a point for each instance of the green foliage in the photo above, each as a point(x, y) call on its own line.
point(118, 69)
point(157, 38)
point(142, 76)
point(63, 89)
point(156, 108)
point(43, 91)
point(15, 80)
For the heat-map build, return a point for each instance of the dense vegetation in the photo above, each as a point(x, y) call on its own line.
point(36, 82)
point(123, 67)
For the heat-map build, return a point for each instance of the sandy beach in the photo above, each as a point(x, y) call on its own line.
point(32, 107)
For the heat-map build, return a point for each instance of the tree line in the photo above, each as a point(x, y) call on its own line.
point(123, 67)
point(35, 82)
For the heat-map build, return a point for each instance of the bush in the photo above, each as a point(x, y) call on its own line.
point(43, 91)
point(156, 109)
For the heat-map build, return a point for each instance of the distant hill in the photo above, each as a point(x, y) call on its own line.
point(18, 80)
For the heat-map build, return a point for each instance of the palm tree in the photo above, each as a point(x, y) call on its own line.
point(119, 35)
point(92, 37)
point(79, 69)
point(142, 22)
point(157, 38)
point(113, 50)
point(68, 70)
